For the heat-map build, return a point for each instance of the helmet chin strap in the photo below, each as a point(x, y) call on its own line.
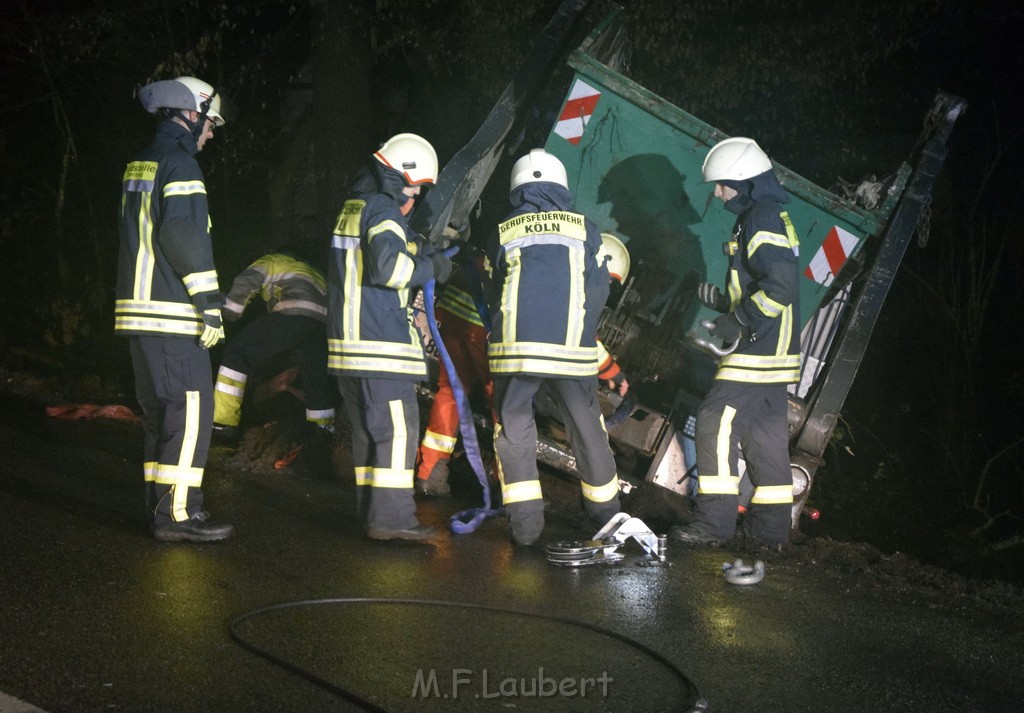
point(196, 127)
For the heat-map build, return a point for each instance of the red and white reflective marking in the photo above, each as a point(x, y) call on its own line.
point(838, 245)
point(576, 113)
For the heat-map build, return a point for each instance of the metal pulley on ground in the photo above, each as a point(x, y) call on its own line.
point(577, 553)
point(603, 549)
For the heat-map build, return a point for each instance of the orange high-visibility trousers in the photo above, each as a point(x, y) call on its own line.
point(466, 344)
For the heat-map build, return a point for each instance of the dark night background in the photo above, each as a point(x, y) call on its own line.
point(928, 457)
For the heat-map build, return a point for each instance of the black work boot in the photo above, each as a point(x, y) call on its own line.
point(437, 484)
point(527, 522)
point(196, 529)
point(772, 531)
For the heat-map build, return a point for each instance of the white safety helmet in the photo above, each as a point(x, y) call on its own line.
point(538, 165)
point(410, 155)
point(613, 253)
point(735, 159)
point(186, 93)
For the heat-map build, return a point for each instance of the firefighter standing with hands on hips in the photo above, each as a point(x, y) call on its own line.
point(746, 407)
point(373, 347)
point(543, 331)
point(168, 304)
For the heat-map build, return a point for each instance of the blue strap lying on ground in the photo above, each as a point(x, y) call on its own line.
point(466, 520)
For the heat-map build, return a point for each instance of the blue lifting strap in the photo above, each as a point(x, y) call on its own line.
point(466, 520)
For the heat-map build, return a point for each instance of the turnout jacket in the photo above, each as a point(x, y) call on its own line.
point(286, 283)
point(374, 262)
point(763, 285)
point(165, 272)
point(552, 287)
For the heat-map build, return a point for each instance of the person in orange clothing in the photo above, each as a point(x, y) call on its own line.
point(463, 325)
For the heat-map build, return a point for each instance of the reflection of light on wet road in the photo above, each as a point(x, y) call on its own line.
point(184, 584)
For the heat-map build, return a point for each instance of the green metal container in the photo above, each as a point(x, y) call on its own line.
point(634, 163)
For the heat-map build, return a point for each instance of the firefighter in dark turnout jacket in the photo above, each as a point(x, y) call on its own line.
point(373, 347)
point(462, 328)
point(168, 304)
point(745, 411)
point(552, 292)
point(295, 295)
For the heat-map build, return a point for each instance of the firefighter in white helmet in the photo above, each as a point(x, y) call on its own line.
point(373, 348)
point(463, 321)
point(746, 406)
point(543, 332)
point(615, 257)
point(168, 304)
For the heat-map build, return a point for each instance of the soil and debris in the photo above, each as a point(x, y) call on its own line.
point(288, 447)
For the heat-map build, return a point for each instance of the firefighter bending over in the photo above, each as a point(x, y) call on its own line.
point(373, 347)
point(553, 289)
point(295, 295)
point(168, 304)
point(746, 407)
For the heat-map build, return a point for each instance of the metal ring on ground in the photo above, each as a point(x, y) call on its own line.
point(738, 573)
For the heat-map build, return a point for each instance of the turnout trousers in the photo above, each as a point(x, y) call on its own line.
point(256, 344)
point(515, 444)
point(174, 387)
point(745, 420)
point(467, 345)
point(384, 418)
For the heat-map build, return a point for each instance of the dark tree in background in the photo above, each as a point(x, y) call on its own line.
point(928, 456)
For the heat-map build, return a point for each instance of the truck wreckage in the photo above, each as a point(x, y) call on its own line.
point(634, 163)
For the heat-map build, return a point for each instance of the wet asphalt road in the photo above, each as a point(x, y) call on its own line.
point(97, 616)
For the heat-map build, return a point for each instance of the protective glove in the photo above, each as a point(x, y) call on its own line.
point(442, 266)
point(728, 328)
point(455, 234)
point(213, 328)
point(619, 383)
point(711, 297)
